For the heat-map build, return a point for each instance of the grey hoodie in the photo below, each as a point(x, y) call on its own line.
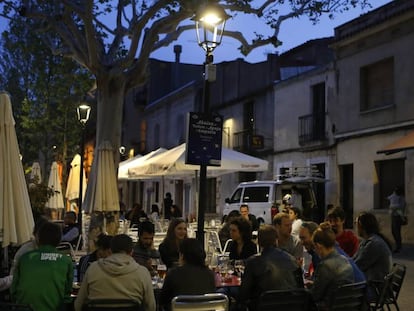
point(117, 276)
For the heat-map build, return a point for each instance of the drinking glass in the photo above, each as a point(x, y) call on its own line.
point(239, 267)
point(162, 270)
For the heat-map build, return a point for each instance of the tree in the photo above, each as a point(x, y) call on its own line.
point(46, 90)
point(117, 54)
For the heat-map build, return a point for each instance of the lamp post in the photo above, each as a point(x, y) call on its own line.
point(83, 112)
point(210, 21)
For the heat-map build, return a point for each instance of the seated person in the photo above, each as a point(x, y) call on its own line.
point(144, 250)
point(241, 246)
point(117, 276)
point(286, 240)
point(332, 271)
point(374, 255)
point(224, 232)
point(295, 215)
point(135, 214)
point(103, 250)
point(347, 240)
point(43, 277)
point(175, 211)
point(6, 281)
point(271, 270)
point(191, 277)
point(71, 229)
point(176, 233)
point(244, 211)
point(305, 234)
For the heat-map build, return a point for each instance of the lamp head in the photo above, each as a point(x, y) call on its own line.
point(210, 21)
point(83, 112)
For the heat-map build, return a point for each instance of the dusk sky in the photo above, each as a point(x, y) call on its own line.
point(292, 33)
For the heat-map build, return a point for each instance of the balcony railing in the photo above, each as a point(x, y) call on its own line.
point(312, 128)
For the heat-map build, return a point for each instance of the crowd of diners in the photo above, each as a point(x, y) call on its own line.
point(118, 268)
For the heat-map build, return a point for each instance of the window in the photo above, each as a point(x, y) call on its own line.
point(236, 196)
point(390, 174)
point(377, 85)
point(256, 194)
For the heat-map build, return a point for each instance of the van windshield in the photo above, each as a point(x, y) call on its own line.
point(256, 194)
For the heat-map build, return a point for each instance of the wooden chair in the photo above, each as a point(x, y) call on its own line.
point(284, 300)
point(112, 305)
point(207, 302)
point(349, 297)
point(8, 306)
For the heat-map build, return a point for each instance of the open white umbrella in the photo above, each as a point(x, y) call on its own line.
point(124, 166)
point(56, 200)
point(36, 173)
point(72, 188)
point(16, 218)
point(172, 163)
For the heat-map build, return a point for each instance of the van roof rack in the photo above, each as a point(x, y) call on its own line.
point(305, 173)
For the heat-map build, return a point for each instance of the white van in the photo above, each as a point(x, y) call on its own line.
point(264, 198)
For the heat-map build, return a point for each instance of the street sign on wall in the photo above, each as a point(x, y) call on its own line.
point(204, 138)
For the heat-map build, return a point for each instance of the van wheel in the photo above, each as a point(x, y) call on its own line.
point(260, 221)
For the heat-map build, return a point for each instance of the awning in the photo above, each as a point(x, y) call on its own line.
point(404, 143)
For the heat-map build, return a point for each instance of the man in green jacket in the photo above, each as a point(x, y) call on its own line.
point(43, 277)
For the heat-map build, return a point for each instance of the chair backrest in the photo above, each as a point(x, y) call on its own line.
point(383, 291)
point(284, 300)
point(112, 304)
point(207, 302)
point(66, 248)
point(7, 306)
point(349, 297)
point(226, 246)
point(399, 271)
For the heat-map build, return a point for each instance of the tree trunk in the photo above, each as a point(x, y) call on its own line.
point(110, 100)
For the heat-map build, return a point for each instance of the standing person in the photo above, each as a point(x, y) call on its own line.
point(244, 211)
point(191, 277)
point(242, 246)
point(176, 233)
point(168, 202)
point(333, 270)
point(103, 250)
point(347, 240)
point(46, 265)
point(117, 276)
point(296, 198)
point(397, 210)
point(286, 240)
point(144, 250)
point(374, 256)
point(273, 269)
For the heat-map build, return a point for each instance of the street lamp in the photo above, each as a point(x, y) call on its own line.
point(210, 21)
point(83, 111)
